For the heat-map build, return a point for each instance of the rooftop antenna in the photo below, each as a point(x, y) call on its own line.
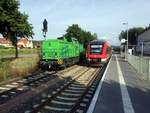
point(45, 28)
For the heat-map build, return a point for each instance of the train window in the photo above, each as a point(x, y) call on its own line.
point(95, 49)
point(96, 46)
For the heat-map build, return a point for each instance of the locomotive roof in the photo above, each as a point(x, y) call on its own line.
point(97, 42)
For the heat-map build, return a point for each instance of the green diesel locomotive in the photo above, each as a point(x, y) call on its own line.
point(60, 52)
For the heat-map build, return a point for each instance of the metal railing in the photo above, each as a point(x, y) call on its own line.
point(141, 64)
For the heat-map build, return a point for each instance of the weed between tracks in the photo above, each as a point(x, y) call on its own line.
point(11, 68)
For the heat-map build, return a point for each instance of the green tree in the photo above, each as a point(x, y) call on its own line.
point(13, 23)
point(132, 35)
point(81, 35)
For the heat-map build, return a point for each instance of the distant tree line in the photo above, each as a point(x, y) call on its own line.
point(132, 35)
point(81, 35)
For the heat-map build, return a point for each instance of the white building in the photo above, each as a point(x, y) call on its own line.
point(143, 42)
point(25, 43)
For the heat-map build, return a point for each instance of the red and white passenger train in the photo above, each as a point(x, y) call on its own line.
point(98, 52)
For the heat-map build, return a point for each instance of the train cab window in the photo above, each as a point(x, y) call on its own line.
point(74, 40)
point(95, 49)
point(60, 38)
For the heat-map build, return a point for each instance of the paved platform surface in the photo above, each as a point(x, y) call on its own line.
point(121, 90)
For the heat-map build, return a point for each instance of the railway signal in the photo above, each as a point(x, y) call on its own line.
point(45, 28)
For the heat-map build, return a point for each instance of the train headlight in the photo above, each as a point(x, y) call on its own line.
point(60, 61)
point(89, 59)
point(104, 59)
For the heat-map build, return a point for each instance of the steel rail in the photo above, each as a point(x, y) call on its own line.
point(35, 110)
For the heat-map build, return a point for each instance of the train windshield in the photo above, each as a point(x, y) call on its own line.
point(96, 49)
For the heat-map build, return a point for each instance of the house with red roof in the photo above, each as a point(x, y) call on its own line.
point(22, 43)
point(5, 42)
point(25, 43)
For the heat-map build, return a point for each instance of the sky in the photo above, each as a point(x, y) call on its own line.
point(104, 17)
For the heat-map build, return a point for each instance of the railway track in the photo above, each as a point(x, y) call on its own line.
point(35, 100)
point(72, 97)
point(15, 88)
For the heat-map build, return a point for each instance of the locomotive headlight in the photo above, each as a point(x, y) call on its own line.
point(60, 61)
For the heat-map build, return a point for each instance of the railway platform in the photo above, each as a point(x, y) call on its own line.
point(121, 90)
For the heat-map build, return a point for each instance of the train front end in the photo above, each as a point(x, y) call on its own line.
point(49, 54)
point(97, 53)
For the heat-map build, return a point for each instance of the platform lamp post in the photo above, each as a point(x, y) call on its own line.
point(126, 23)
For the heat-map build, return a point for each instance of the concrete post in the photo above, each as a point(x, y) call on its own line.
point(149, 71)
point(142, 49)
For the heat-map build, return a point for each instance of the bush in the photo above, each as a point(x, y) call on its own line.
point(12, 68)
point(2, 47)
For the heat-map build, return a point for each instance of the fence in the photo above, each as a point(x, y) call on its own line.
point(141, 64)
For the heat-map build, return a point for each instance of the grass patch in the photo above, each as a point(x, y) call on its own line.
point(11, 68)
point(11, 51)
point(4, 66)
